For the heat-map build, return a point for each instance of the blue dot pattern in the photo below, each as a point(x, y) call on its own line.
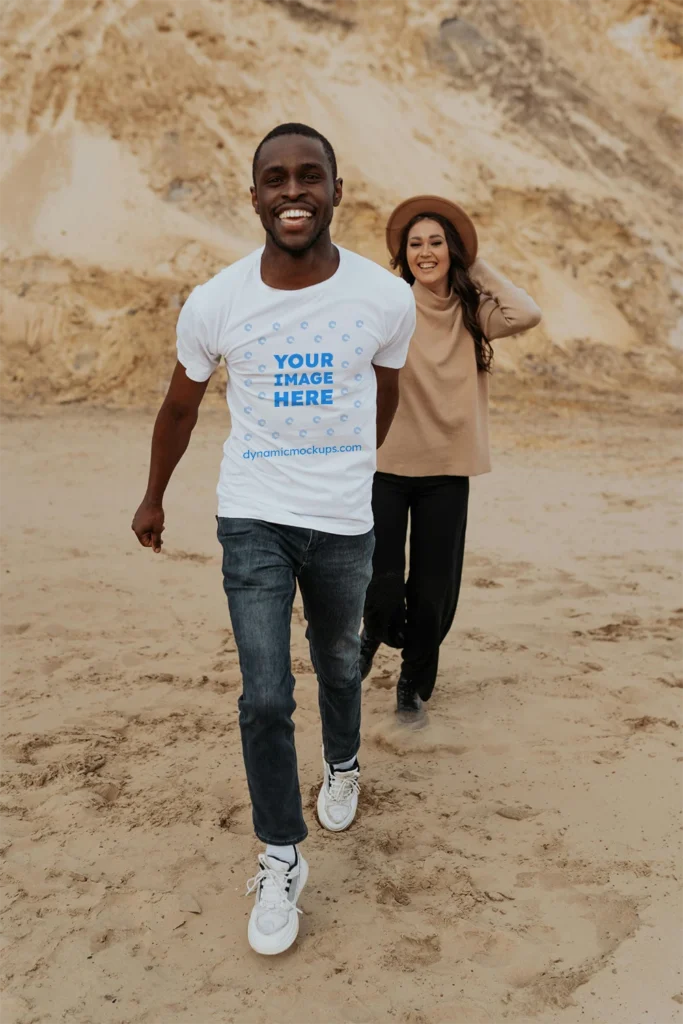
point(319, 420)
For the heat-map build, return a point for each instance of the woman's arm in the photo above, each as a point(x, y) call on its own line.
point(504, 309)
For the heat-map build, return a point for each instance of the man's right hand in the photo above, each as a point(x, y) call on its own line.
point(174, 425)
point(148, 525)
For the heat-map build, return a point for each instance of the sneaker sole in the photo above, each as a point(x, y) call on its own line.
point(285, 938)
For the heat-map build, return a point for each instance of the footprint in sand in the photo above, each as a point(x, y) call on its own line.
point(628, 628)
point(236, 818)
point(383, 680)
point(674, 681)
point(188, 556)
point(18, 630)
point(517, 813)
point(413, 952)
point(392, 892)
point(650, 722)
point(376, 797)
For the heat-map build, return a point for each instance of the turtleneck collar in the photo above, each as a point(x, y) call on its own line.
point(426, 299)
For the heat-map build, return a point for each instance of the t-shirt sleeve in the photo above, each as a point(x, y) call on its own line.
point(394, 351)
point(196, 348)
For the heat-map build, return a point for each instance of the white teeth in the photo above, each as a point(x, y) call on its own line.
point(294, 214)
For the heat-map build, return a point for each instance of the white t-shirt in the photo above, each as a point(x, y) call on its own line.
point(301, 387)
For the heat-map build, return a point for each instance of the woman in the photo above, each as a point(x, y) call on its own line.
point(439, 438)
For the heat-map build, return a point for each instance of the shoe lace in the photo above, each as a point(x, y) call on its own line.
point(344, 785)
point(272, 885)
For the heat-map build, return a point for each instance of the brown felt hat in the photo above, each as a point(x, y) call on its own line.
point(409, 208)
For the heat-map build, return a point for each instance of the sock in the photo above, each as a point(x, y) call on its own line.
point(344, 766)
point(285, 853)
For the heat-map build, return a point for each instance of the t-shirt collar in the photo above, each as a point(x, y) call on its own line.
point(311, 289)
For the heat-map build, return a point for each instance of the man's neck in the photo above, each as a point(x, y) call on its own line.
point(290, 271)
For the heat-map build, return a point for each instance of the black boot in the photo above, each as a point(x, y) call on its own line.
point(409, 707)
point(368, 650)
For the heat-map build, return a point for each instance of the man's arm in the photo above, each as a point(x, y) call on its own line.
point(174, 425)
point(387, 400)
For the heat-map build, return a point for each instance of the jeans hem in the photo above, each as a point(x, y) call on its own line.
point(343, 760)
point(282, 842)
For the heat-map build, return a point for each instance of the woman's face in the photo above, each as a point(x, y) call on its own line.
point(428, 257)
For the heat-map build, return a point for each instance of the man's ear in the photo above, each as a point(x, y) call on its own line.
point(254, 200)
point(338, 191)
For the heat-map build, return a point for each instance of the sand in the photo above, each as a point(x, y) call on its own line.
point(516, 860)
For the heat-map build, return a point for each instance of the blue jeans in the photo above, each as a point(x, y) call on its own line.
point(261, 565)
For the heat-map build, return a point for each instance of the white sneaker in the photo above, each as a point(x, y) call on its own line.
point(338, 798)
point(274, 921)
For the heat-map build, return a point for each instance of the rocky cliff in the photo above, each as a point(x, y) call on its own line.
point(128, 130)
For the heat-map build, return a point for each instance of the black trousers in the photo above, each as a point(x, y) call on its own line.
point(416, 614)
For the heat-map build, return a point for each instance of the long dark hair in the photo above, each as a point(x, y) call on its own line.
point(459, 279)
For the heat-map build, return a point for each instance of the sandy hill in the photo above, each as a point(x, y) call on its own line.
point(128, 129)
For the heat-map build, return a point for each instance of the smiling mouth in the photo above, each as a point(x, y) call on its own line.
point(294, 217)
point(427, 266)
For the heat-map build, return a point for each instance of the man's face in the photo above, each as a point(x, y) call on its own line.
point(295, 193)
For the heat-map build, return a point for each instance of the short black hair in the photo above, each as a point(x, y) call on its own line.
point(293, 128)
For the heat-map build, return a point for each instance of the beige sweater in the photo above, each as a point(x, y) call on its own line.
point(441, 426)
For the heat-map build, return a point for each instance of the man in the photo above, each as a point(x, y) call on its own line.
point(313, 337)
